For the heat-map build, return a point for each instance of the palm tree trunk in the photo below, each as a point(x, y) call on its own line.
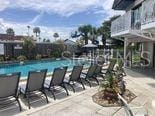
point(36, 34)
point(103, 41)
point(86, 40)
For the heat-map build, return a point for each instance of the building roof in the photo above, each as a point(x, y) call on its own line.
point(69, 42)
point(121, 4)
point(5, 37)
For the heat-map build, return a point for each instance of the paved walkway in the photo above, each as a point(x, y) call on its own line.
point(81, 104)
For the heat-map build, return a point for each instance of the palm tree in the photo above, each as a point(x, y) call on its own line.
point(93, 35)
point(10, 31)
point(37, 31)
point(101, 31)
point(104, 30)
point(75, 34)
point(28, 31)
point(55, 35)
point(39, 38)
point(85, 30)
point(44, 40)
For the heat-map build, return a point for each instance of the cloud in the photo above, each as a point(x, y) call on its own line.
point(106, 11)
point(62, 7)
point(46, 32)
point(4, 4)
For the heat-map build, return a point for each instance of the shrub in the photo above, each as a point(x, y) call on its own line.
point(67, 54)
point(13, 59)
point(21, 58)
point(110, 82)
point(1, 59)
point(56, 54)
point(38, 57)
point(7, 58)
point(29, 48)
point(58, 48)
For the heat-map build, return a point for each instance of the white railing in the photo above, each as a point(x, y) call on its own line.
point(122, 23)
point(148, 11)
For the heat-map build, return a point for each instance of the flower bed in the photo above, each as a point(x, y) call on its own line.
point(100, 99)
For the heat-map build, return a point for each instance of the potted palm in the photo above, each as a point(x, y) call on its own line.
point(110, 87)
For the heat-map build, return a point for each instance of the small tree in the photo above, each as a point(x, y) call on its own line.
point(58, 48)
point(10, 31)
point(29, 47)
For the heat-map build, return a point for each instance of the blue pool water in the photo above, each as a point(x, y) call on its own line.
point(37, 65)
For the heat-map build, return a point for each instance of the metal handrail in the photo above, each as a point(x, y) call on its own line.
point(148, 11)
point(122, 23)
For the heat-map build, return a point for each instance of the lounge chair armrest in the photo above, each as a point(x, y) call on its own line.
point(114, 70)
point(103, 72)
point(83, 73)
point(104, 68)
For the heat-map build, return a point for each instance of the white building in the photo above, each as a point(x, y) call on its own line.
point(137, 25)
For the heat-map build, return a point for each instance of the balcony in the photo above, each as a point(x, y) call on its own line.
point(125, 25)
point(121, 26)
point(148, 15)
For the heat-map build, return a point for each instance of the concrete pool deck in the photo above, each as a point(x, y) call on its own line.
point(81, 104)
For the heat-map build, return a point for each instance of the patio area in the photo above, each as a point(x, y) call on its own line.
point(81, 104)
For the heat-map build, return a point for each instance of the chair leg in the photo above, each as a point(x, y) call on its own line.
point(88, 82)
point(63, 86)
point(71, 86)
point(52, 92)
point(96, 80)
point(20, 108)
point(80, 81)
point(17, 99)
point(43, 91)
point(28, 101)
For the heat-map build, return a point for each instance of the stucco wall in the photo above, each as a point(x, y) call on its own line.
point(148, 51)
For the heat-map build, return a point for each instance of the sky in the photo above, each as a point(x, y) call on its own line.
point(61, 16)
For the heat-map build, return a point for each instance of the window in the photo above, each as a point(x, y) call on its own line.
point(137, 17)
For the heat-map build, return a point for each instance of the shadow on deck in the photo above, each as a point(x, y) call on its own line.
point(141, 72)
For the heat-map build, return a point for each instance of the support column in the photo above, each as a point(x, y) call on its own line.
point(147, 52)
point(126, 43)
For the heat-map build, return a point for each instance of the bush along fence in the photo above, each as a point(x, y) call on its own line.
point(19, 51)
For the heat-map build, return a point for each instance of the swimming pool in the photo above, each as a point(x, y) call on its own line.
point(37, 65)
